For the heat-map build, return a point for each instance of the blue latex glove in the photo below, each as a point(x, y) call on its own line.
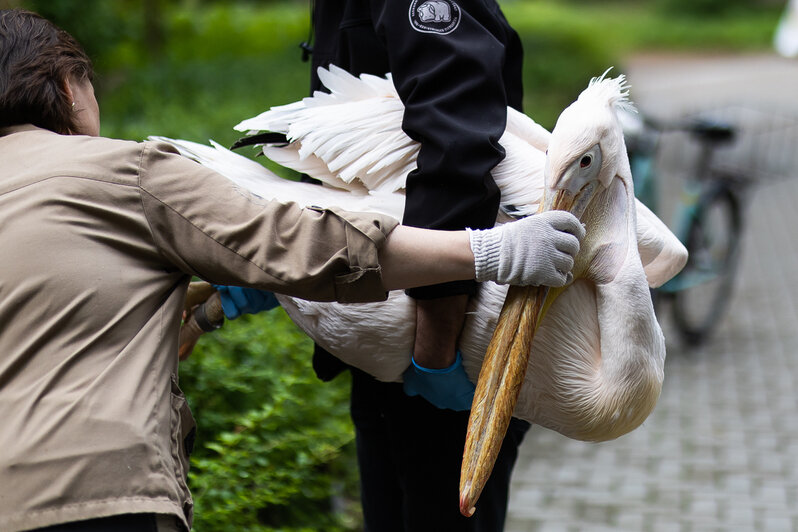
point(237, 301)
point(444, 388)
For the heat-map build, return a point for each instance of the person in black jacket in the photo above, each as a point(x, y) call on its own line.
point(456, 65)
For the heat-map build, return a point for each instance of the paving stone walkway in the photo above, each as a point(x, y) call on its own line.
point(720, 451)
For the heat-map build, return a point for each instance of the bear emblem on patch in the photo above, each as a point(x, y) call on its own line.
point(434, 16)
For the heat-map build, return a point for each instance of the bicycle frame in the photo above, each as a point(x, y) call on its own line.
point(705, 194)
point(700, 185)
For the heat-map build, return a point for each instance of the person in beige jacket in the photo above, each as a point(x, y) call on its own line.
point(98, 241)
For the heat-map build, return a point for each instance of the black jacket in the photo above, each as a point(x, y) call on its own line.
point(456, 65)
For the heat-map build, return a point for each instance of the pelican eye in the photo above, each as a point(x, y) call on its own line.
point(585, 161)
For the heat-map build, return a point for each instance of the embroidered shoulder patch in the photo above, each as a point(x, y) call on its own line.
point(434, 16)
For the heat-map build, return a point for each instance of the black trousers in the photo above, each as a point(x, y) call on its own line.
point(409, 453)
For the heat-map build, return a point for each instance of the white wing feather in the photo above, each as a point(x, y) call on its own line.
point(353, 147)
point(264, 183)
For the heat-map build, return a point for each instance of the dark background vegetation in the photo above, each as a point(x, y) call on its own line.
point(275, 446)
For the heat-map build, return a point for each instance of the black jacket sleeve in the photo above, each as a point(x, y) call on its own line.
point(457, 66)
point(449, 70)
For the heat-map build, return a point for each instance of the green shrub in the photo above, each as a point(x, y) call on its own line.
point(274, 447)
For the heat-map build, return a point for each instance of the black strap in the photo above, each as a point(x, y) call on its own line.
point(261, 138)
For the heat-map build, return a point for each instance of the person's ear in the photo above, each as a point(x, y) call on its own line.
point(67, 86)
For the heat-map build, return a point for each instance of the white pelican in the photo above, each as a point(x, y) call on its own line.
point(594, 369)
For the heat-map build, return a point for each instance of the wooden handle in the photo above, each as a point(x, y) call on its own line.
point(190, 332)
point(198, 292)
point(213, 308)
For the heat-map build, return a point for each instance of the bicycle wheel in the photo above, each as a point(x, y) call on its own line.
point(705, 284)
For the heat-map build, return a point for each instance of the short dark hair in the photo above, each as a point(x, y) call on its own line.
point(36, 58)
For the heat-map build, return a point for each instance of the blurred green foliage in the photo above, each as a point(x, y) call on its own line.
point(703, 7)
point(275, 446)
point(568, 42)
point(189, 69)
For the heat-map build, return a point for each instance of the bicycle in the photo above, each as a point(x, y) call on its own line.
point(709, 221)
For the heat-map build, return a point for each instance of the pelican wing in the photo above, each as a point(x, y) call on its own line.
point(339, 132)
point(335, 138)
point(254, 177)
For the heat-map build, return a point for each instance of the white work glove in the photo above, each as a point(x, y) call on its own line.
point(537, 250)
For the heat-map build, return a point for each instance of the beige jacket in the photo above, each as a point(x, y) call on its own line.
point(98, 240)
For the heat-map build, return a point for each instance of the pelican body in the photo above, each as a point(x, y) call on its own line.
point(585, 360)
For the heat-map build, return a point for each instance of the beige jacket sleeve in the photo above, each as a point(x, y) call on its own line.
point(208, 227)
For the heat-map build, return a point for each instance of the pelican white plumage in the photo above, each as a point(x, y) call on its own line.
point(595, 366)
point(379, 336)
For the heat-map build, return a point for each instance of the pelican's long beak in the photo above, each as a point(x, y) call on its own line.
point(504, 367)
